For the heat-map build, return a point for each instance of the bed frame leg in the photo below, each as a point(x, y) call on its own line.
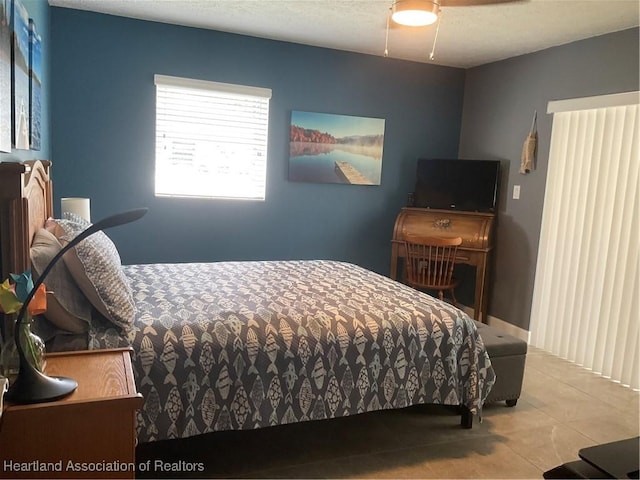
point(466, 420)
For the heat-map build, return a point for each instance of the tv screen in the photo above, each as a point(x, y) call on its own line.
point(467, 185)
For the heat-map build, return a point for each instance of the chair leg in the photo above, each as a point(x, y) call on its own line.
point(453, 298)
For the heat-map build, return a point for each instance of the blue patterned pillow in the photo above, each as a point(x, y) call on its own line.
point(96, 267)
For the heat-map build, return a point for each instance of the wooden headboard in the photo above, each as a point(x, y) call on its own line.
point(26, 201)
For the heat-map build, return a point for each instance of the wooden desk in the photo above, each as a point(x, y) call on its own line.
point(89, 434)
point(476, 230)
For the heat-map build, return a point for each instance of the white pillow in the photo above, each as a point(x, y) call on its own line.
point(67, 307)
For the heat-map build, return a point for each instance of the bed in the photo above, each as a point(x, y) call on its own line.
point(245, 345)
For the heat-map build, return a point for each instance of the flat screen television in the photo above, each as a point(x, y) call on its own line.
point(451, 184)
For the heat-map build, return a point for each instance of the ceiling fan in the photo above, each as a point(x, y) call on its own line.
point(420, 13)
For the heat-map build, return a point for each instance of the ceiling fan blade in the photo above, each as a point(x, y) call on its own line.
point(472, 3)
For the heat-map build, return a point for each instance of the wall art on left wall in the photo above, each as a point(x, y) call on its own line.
point(5, 75)
point(35, 86)
point(21, 122)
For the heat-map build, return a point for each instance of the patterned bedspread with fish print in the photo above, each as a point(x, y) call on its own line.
point(244, 345)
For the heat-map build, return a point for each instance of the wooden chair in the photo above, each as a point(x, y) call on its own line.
point(429, 264)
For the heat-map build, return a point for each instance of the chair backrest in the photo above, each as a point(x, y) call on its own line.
point(430, 261)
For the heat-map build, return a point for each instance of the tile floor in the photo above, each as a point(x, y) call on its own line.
point(563, 408)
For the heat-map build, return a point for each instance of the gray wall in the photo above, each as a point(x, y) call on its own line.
point(499, 102)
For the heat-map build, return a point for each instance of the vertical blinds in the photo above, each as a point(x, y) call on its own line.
point(585, 300)
point(211, 139)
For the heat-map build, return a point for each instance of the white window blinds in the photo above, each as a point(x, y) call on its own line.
point(585, 298)
point(211, 139)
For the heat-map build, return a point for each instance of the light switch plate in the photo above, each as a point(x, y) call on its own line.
point(516, 192)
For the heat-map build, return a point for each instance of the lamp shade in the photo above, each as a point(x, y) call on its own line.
point(78, 206)
point(415, 13)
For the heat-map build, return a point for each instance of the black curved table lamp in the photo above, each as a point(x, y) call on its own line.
point(32, 386)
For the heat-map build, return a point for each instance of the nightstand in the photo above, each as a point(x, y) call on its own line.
point(89, 434)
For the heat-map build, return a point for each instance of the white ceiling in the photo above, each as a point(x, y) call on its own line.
point(468, 36)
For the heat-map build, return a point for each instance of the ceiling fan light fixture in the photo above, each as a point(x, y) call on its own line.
point(415, 13)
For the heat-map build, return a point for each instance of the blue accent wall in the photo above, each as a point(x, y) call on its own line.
point(103, 113)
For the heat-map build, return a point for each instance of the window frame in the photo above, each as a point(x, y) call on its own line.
point(240, 98)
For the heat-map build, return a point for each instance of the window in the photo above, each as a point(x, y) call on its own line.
point(211, 139)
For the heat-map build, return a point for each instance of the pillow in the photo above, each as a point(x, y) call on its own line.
point(74, 217)
point(96, 267)
point(67, 307)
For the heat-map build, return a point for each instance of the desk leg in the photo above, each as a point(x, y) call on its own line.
point(480, 300)
point(484, 305)
point(394, 261)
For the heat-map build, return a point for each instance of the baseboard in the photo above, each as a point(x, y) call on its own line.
point(501, 325)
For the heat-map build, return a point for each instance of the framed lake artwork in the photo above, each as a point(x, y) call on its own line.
point(5, 75)
point(330, 148)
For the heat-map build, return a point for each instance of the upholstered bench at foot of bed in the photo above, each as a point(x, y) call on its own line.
point(508, 355)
